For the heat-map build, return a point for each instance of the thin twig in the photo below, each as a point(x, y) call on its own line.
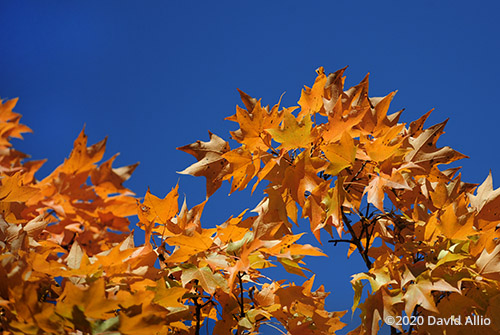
point(346, 241)
point(273, 326)
point(356, 175)
point(356, 240)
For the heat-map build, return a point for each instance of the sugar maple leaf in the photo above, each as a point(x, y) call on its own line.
point(386, 145)
point(314, 210)
point(376, 119)
point(456, 226)
point(142, 323)
point(333, 201)
point(375, 189)
point(210, 163)
point(189, 245)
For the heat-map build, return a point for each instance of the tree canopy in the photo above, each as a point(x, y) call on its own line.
point(68, 263)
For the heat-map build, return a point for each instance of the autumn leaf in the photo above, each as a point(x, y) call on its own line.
point(189, 245)
point(488, 263)
point(424, 151)
point(253, 121)
point(311, 99)
point(169, 297)
point(12, 189)
point(210, 163)
point(83, 158)
point(421, 293)
point(341, 155)
point(428, 238)
point(243, 167)
point(292, 134)
point(163, 209)
point(206, 278)
point(108, 179)
point(486, 201)
point(92, 300)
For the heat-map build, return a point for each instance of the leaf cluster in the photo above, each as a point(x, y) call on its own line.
point(69, 265)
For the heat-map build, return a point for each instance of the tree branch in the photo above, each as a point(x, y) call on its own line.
point(346, 241)
point(241, 302)
point(356, 240)
point(356, 175)
point(197, 316)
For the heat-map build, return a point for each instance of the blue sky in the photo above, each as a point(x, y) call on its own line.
point(157, 75)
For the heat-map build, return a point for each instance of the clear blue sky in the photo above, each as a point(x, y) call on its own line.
point(157, 75)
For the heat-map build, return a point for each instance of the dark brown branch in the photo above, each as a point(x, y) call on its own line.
point(346, 241)
point(356, 175)
point(197, 316)
point(275, 153)
point(241, 302)
point(356, 240)
point(415, 313)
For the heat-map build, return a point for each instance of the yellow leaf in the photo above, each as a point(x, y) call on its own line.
point(164, 209)
point(311, 99)
point(293, 134)
point(243, 167)
point(140, 324)
point(12, 189)
point(341, 155)
point(168, 297)
point(206, 278)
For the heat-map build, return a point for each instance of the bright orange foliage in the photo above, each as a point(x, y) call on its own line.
point(68, 263)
